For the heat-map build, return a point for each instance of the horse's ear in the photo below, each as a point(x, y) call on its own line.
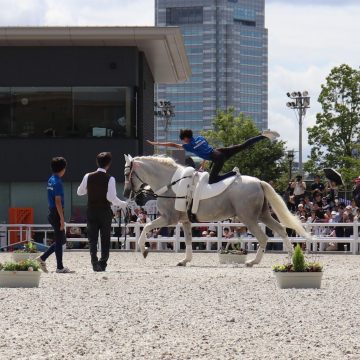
point(128, 159)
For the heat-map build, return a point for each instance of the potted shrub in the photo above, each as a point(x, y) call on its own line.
point(298, 273)
point(20, 274)
point(29, 251)
point(236, 255)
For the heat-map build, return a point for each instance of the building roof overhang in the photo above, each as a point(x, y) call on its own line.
point(163, 46)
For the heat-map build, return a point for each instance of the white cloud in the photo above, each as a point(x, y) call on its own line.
point(22, 12)
point(304, 44)
point(105, 12)
point(76, 12)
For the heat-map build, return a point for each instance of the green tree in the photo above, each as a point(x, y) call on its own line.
point(336, 135)
point(264, 160)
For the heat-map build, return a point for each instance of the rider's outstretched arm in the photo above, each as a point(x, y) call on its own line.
point(166, 144)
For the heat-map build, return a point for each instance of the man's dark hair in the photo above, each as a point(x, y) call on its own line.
point(103, 159)
point(185, 133)
point(58, 164)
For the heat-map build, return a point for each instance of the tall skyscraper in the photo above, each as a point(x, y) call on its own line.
point(227, 45)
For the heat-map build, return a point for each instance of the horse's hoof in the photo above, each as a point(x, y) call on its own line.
point(249, 264)
point(145, 253)
point(181, 264)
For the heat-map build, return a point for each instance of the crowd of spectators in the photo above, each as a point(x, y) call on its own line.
point(321, 204)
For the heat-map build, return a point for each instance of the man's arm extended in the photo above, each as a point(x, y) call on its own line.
point(166, 144)
point(111, 195)
point(82, 189)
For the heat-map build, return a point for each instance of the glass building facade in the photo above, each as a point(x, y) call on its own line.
point(227, 45)
point(66, 112)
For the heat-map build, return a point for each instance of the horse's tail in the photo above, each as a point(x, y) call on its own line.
point(282, 212)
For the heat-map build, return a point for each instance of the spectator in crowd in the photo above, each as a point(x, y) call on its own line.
point(143, 217)
point(356, 191)
point(339, 214)
point(308, 205)
point(315, 230)
point(289, 196)
point(348, 218)
point(299, 187)
point(301, 211)
point(241, 232)
point(319, 212)
point(227, 234)
point(354, 208)
point(318, 199)
point(332, 191)
point(317, 186)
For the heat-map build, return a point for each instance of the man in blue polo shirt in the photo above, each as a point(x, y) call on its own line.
point(55, 192)
point(200, 147)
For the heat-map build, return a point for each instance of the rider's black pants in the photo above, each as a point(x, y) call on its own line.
point(220, 155)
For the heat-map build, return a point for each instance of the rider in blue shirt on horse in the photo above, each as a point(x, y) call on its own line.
point(199, 146)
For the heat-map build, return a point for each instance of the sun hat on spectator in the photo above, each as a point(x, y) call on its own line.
point(333, 212)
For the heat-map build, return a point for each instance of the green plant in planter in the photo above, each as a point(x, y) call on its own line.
point(298, 259)
point(25, 265)
point(298, 263)
point(29, 247)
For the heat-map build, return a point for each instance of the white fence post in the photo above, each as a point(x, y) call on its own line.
point(219, 235)
point(354, 243)
point(137, 236)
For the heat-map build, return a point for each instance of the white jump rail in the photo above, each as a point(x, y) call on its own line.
point(319, 239)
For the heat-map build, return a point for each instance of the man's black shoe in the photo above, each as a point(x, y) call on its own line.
point(97, 268)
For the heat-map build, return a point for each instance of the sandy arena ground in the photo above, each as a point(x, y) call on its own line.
point(151, 309)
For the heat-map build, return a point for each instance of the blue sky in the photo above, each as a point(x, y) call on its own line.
point(306, 39)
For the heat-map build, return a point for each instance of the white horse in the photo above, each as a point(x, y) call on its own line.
point(246, 199)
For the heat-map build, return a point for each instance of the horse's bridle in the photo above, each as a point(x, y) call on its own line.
point(129, 171)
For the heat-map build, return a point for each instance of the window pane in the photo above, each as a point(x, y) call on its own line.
point(184, 15)
point(41, 112)
point(102, 112)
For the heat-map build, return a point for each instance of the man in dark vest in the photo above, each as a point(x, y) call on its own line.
point(101, 191)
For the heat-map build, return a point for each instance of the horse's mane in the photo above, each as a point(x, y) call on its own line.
point(165, 160)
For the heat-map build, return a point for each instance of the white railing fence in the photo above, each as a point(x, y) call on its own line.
point(75, 234)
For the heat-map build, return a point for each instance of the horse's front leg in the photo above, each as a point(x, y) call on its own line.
point(157, 223)
point(188, 242)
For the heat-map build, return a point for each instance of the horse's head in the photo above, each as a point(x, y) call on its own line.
point(147, 171)
point(133, 182)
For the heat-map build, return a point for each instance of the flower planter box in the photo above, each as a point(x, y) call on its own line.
point(19, 279)
point(24, 256)
point(299, 280)
point(232, 259)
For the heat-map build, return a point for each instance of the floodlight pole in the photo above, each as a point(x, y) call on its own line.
point(301, 103)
